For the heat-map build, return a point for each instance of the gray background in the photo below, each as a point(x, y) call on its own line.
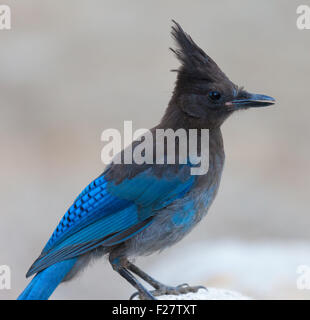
point(70, 69)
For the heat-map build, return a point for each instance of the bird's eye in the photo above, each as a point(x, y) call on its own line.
point(214, 95)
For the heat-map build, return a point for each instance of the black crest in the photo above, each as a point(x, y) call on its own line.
point(194, 61)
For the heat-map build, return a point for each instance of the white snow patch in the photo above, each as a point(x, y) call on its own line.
point(202, 294)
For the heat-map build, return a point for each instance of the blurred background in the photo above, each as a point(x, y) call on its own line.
point(70, 69)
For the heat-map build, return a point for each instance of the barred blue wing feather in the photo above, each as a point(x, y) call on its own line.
point(106, 213)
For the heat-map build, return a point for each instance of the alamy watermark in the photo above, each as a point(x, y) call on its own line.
point(161, 146)
point(5, 17)
point(5, 277)
point(303, 20)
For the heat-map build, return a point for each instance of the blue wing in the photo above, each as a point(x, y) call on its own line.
point(107, 213)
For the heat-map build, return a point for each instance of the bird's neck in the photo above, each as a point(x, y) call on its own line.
point(216, 151)
point(175, 119)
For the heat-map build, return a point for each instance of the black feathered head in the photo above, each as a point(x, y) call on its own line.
point(195, 62)
point(202, 90)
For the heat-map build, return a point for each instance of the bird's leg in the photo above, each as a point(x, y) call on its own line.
point(119, 265)
point(160, 288)
point(150, 280)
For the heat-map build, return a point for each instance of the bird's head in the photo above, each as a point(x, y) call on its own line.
point(203, 92)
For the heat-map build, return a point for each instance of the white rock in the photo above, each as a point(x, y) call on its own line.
point(209, 294)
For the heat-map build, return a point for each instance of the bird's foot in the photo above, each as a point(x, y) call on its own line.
point(180, 289)
point(170, 290)
point(143, 296)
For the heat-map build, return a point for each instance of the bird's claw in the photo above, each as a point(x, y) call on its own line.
point(183, 285)
point(135, 294)
point(180, 289)
point(169, 290)
point(142, 296)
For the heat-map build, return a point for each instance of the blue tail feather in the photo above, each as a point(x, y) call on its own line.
point(46, 281)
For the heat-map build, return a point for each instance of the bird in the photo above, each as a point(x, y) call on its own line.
point(131, 210)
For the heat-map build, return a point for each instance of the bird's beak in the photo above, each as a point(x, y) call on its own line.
point(250, 100)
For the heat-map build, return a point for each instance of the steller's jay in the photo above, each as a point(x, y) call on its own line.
point(137, 209)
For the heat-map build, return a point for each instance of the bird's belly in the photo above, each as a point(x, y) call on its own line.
point(169, 226)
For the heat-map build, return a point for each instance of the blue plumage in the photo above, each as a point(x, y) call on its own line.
point(99, 215)
point(105, 210)
point(46, 281)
